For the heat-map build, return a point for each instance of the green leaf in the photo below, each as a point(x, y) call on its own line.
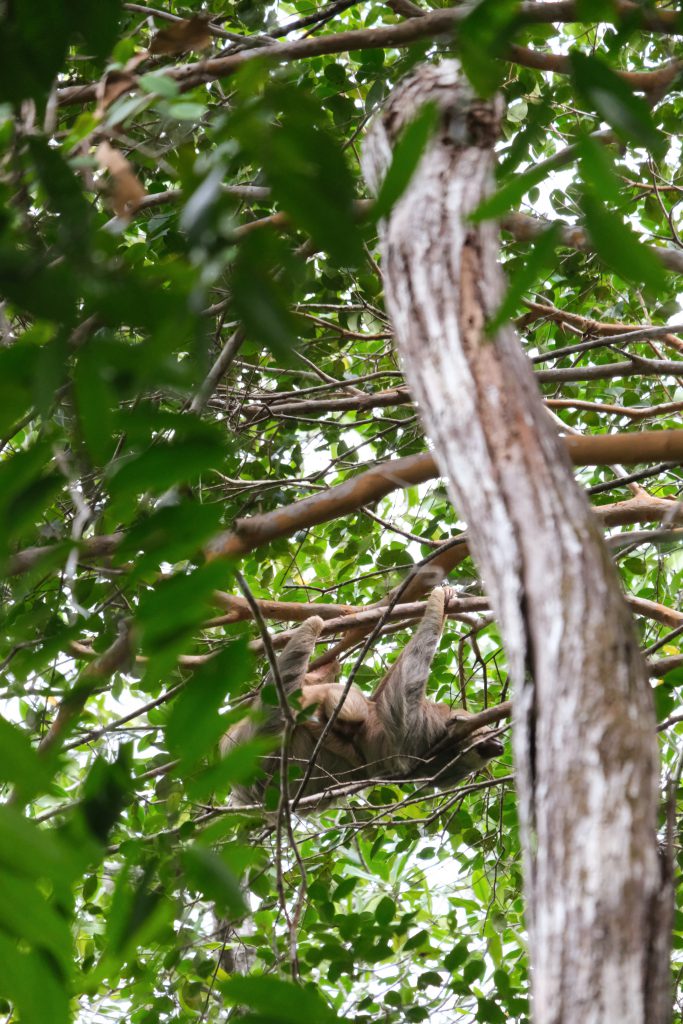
point(241, 764)
point(305, 167)
point(35, 284)
point(33, 42)
point(98, 23)
point(473, 970)
point(195, 725)
point(538, 259)
point(489, 1012)
point(16, 364)
point(106, 792)
point(172, 533)
point(260, 300)
point(208, 873)
point(509, 194)
point(29, 980)
point(26, 489)
point(598, 172)
point(138, 912)
point(385, 911)
point(163, 465)
point(619, 247)
point(27, 849)
point(95, 402)
point(177, 606)
point(629, 115)
point(456, 957)
point(406, 156)
point(665, 701)
point(279, 1001)
point(65, 197)
point(483, 37)
point(26, 914)
point(160, 84)
point(20, 764)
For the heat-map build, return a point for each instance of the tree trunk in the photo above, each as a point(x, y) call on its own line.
point(599, 902)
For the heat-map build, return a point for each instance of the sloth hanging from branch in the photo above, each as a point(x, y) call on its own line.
point(396, 733)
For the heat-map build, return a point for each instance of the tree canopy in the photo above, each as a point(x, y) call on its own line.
point(202, 413)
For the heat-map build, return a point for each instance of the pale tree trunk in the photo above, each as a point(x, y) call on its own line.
point(599, 903)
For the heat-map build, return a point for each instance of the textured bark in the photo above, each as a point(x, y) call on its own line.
point(598, 899)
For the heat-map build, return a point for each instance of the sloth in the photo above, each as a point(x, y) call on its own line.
point(396, 733)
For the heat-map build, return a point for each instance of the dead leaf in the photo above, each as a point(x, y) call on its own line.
point(118, 82)
point(189, 34)
point(126, 191)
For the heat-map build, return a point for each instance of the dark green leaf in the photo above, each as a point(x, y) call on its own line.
point(64, 195)
point(26, 914)
point(20, 764)
point(406, 156)
point(665, 702)
point(239, 765)
point(98, 24)
point(170, 534)
point(29, 980)
point(163, 465)
point(597, 171)
point(474, 970)
point(279, 1001)
point(612, 98)
point(539, 258)
point(177, 606)
point(489, 1012)
point(385, 911)
point(483, 36)
point(106, 792)
point(33, 851)
point(207, 872)
point(138, 911)
point(619, 247)
point(195, 725)
point(509, 194)
point(95, 402)
point(33, 43)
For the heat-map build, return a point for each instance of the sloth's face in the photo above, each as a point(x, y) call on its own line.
point(458, 756)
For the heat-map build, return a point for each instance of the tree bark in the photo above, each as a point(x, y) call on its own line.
point(599, 900)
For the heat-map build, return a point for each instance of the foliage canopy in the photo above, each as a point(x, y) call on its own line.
point(194, 334)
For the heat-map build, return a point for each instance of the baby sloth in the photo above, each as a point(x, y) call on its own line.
point(396, 733)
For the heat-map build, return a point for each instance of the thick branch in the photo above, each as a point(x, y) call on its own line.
point(375, 483)
point(430, 26)
point(525, 228)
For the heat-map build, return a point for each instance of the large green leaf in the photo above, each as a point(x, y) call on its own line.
point(483, 35)
point(619, 246)
point(29, 980)
point(20, 764)
point(611, 97)
point(406, 156)
point(279, 1001)
point(195, 726)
